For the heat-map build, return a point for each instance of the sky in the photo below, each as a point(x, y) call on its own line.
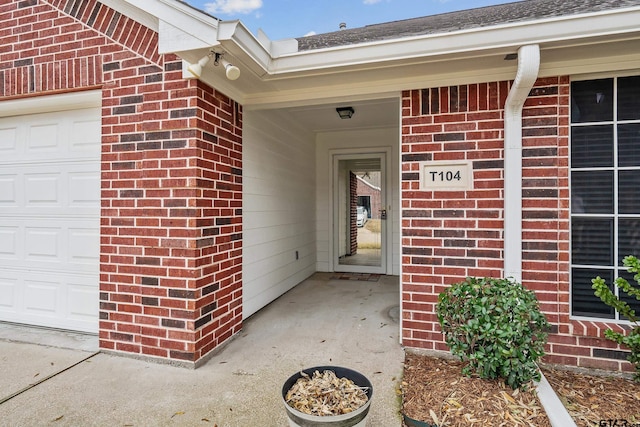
point(281, 19)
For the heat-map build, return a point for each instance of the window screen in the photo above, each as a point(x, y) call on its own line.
point(605, 188)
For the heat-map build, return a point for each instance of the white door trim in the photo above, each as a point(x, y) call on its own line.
point(49, 103)
point(336, 155)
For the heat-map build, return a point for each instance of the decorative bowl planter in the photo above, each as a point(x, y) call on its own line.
point(357, 418)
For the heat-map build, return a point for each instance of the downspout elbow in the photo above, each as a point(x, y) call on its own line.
point(528, 68)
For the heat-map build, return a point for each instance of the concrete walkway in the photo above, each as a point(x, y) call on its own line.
point(320, 322)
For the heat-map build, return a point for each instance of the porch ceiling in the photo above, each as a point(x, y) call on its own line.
point(369, 114)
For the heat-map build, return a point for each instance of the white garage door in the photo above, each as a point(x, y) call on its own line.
point(49, 219)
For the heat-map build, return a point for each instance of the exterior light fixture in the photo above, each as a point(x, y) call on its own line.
point(231, 71)
point(345, 112)
point(196, 69)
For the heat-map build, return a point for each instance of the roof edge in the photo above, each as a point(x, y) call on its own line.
point(573, 29)
point(565, 29)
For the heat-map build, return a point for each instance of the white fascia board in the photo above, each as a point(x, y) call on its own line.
point(236, 39)
point(176, 23)
point(563, 29)
point(354, 89)
point(136, 13)
point(588, 66)
point(570, 29)
point(172, 39)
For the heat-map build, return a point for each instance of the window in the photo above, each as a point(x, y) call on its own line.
point(605, 187)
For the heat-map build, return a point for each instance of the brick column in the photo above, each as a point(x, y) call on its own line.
point(171, 183)
point(171, 284)
point(353, 213)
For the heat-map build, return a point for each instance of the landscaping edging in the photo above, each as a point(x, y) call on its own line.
point(556, 412)
point(541, 394)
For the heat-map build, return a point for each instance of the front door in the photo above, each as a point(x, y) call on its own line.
point(359, 213)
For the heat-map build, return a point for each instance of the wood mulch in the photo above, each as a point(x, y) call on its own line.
point(591, 399)
point(435, 393)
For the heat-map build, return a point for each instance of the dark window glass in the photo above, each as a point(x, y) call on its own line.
point(632, 301)
point(629, 192)
point(628, 238)
point(592, 192)
point(592, 101)
point(605, 170)
point(592, 241)
point(629, 98)
point(583, 300)
point(592, 146)
point(629, 145)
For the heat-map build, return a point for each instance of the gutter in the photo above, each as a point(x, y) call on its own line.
point(528, 67)
point(285, 60)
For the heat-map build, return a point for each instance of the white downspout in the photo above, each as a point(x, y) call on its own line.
point(528, 66)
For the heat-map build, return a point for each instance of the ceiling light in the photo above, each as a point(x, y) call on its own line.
point(345, 112)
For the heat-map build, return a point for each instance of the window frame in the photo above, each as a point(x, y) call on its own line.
point(617, 269)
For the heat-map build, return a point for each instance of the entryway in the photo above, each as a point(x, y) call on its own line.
point(323, 321)
point(360, 214)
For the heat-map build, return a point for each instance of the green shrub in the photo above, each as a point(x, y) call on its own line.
point(495, 325)
point(602, 291)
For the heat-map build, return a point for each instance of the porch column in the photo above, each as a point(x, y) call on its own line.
point(171, 232)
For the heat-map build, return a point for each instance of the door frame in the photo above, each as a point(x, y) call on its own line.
point(384, 154)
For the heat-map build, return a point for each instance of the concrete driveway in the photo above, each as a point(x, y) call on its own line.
point(323, 321)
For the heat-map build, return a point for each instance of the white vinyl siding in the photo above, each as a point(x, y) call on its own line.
point(278, 207)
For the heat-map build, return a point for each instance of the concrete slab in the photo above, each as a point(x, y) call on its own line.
point(26, 364)
point(320, 322)
point(49, 337)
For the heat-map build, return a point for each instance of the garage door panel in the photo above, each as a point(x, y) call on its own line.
point(8, 293)
point(66, 244)
point(43, 138)
point(8, 139)
point(60, 136)
point(43, 244)
point(84, 189)
point(83, 301)
point(83, 247)
point(67, 301)
point(9, 242)
point(42, 190)
point(49, 219)
point(64, 189)
point(9, 190)
point(83, 140)
point(41, 296)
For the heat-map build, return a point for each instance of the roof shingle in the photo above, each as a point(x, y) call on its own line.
point(522, 11)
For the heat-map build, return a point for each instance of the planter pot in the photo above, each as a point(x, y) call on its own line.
point(356, 418)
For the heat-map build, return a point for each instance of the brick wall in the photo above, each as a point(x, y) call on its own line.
point(366, 189)
point(353, 214)
point(171, 218)
point(449, 235)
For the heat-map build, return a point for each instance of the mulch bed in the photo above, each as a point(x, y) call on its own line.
point(435, 392)
point(591, 399)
